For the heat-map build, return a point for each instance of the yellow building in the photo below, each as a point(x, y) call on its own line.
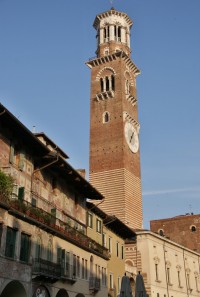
point(111, 233)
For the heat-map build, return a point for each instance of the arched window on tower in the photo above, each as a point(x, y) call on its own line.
point(106, 117)
point(107, 83)
point(102, 84)
point(106, 33)
point(113, 82)
point(117, 32)
point(127, 87)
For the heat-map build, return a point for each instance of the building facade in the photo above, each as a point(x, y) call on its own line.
point(184, 230)
point(168, 268)
point(114, 126)
point(44, 248)
point(109, 231)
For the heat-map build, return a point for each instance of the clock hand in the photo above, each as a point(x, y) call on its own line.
point(131, 137)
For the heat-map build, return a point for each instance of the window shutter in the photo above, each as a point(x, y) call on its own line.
point(59, 255)
point(21, 193)
point(12, 154)
point(21, 161)
point(10, 242)
point(25, 246)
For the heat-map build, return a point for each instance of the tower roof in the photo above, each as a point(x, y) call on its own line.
point(110, 12)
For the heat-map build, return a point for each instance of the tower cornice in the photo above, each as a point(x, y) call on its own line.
point(109, 58)
point(108, 13)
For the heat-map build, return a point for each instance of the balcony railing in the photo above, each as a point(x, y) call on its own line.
point(68, 272)
point(47, 269)
point(94, 283)
point(25, 211)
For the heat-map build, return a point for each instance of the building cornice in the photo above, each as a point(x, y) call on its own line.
point(164, 239)
point(108, 13)
point(109, 58)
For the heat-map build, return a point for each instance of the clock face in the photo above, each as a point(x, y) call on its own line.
point(131, 136)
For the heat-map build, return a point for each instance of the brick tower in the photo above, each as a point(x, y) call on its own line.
point(114, 126)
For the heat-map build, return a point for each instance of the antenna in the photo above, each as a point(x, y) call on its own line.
point(34, 129)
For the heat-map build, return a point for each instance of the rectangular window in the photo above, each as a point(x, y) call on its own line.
point(59, 255)
point(111, 281)
point(188, 281)
point(168, 275)
point(90, 220)
point(10, 242)
point(12, 154)
point(117, 249)
point(64, 258)
point(104, 239)
point(103, 277)
point(83, 268)
point(122, 252)
point(156, 270)
point(179, 279)
point(119, 284)
point(86, 269)
point(110, 244)
point(33, 202)
point(98, 226)
point(74, 266)
point(196, 282)
point(25, 248)
point(21, 193)
point(78, 266)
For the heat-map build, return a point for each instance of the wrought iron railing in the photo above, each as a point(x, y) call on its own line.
point(46, 268)
point(94, 283)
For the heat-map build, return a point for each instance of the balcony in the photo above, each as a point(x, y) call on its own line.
point(46, 221)
point(44, 270)
point(94, 284)
point(105, 95)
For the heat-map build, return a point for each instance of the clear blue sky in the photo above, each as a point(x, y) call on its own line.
point(44, 82)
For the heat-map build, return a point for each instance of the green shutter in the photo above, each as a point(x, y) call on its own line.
point(21, 193)
point(25, 247)
point(59, 255)
point(10, 242)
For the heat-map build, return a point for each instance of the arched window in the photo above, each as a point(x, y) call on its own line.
point(193, 228)
point(113, 82)
point(127, 87)
point(101, 83)
point(107, 83)
point(161, 232)
point(106, 117)
point(117, 32)
point(106, 33)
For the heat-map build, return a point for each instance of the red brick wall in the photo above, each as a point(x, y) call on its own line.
point(179, 229)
